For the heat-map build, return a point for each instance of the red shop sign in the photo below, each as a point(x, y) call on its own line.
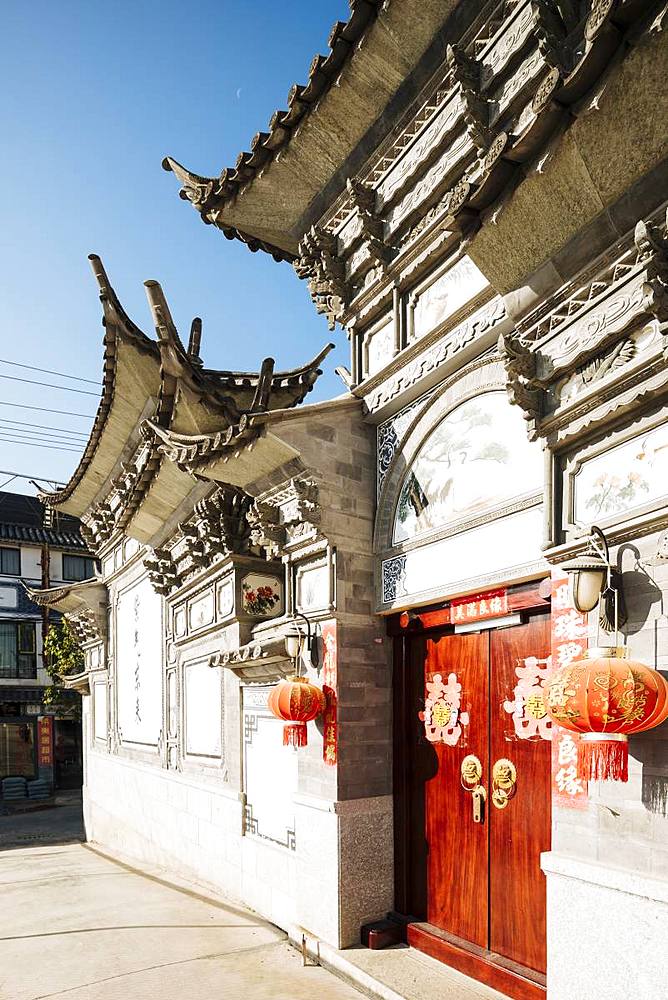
point(45, 740)
point(478, 606)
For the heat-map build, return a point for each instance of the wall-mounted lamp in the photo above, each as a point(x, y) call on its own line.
point(593, 579)
point(294, 640)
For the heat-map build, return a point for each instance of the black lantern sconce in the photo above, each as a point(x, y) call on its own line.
point(294, 640)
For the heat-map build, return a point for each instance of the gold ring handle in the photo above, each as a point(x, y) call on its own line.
point(504, 782)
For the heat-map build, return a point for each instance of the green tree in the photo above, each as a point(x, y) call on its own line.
point(63, 657)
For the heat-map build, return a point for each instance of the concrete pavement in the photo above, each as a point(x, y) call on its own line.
point(77, 926)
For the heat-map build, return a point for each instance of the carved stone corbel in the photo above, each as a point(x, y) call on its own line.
point(523, 390)
point(317, 263)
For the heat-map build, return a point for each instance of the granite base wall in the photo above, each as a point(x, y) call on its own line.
point(606, 932)
point(339, 877)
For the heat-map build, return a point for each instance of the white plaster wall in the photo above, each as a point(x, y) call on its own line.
point(606, 932)
point(339, 877)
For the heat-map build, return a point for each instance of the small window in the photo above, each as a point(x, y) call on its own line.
point(10, 562)
point(78, 568)
point(17, 650)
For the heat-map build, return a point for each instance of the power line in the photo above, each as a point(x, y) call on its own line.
point(43, 427)
point(48, 371)
point(39, 479)
point(49, 385)
point(44, 409)
point(42, 436)
point(47, 447)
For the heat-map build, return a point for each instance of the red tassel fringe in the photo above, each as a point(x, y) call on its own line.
point(295, 735)
point(603, 760)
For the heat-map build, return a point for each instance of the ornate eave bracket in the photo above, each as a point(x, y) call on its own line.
point(261, 660)
point(285, 518)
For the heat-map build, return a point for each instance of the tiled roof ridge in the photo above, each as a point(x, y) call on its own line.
point(112, 311)
point(323, 74)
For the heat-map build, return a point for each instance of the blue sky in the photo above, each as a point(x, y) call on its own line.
point(93, 96)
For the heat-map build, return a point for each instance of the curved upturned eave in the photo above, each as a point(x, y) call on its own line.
point(71, 598)
point(131, 378)
point(346, 93)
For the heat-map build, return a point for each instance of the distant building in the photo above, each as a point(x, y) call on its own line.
point(40, 548)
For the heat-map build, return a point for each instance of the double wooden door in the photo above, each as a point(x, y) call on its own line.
point(483, 802)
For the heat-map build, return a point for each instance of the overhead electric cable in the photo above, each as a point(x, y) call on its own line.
point(43, 427)
point(49, 385)
point(39, 479)
point(35, 444)
point(42, 436)
point(45, 409)
point(48, 371)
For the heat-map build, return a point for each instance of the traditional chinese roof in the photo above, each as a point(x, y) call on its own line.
point(507, 143)
point(22, 520)
point(261, 200)
point(83, 603)
point(151, 388)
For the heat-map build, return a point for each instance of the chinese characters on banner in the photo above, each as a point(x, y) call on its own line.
point(329, 742)
point(45, 741)
point(569, 641)
point(477, 606)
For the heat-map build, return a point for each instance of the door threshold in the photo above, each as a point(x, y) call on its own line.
point(486, 966)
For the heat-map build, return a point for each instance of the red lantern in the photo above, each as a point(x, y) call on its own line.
point(297, 702)
point(606, 697)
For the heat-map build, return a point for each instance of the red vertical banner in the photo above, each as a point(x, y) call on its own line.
point(329, 680)
point(45, 741)
point(569, 641)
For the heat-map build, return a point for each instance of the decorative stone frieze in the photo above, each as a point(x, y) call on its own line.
point(563, 359)
point(285, 518)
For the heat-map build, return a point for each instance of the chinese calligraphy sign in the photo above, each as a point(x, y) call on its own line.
point(478, 606)
point(569, 641)
point(45, 741)
point(329, 671)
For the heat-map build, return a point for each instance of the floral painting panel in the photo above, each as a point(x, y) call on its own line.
point(627, 476)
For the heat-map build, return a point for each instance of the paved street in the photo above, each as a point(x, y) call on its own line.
point(76, 925)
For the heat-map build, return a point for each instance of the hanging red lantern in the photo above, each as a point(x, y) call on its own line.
point(606, 697)
point(296, 701)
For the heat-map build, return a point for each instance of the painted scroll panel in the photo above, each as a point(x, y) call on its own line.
point(626, 476)
point(477, 459)
point(139, 634)
point(202, 696)
point(444, 296)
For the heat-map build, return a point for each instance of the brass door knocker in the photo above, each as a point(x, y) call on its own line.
point(470, 773)
point(504, 782)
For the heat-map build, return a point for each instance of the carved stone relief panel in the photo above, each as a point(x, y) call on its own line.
point(201, 610)
point(378, 346)
point(313, 585)
point(269, 772)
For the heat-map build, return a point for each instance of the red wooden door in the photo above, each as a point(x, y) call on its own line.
point(484, 883)
point(520, 832)
point(457, 856)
